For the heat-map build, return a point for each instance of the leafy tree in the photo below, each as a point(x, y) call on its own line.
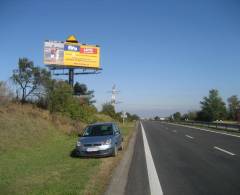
point(118, 116)
point(135, 117)
point(130, 117)
point(212, 107)
point(192, 115)
point(62, 101)
point(170, 118)
point(177, 116)
point(29, 79)
point(60, 97)
point(109, 110)
point(156, 118)
point(233, 106)
point(189, 116)
point(82, 91)
point(184, 117)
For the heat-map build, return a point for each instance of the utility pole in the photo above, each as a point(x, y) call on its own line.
point(114, 92)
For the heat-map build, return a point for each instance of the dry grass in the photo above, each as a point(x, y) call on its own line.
point(25, 125)
point(35, 152)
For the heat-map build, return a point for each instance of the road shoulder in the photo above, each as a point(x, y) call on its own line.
point(119, 177)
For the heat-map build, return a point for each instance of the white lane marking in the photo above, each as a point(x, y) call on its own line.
point(230, 153)
point(174, 131)
point(155, 186)
point(191, 127)
point(189, 136)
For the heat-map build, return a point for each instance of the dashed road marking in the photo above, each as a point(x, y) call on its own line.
point(227, 152)
point(189, 136)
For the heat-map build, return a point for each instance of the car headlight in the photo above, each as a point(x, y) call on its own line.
point(107, 142)
point(78, 143)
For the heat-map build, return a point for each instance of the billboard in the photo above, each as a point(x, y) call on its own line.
point(69, 54)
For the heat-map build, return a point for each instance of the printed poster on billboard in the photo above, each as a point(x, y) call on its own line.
point(53, 52)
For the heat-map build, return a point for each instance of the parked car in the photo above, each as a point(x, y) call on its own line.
point(100, 139)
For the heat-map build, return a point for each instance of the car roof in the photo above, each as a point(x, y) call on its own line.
point(102, 123)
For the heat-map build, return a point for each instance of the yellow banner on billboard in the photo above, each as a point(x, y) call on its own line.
point(81, 55)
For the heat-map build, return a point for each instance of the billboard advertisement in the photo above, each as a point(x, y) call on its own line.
point(53, 52)
point(71, 54)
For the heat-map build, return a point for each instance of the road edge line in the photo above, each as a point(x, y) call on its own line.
point(154, 183)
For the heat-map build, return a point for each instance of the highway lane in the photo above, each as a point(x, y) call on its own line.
point(187, 161)
point(208, 138)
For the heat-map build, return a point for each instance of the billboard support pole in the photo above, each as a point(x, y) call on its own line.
point(71, 76)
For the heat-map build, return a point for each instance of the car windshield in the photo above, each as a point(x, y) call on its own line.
point(98, 130)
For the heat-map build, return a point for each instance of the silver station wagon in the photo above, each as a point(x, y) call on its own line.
point(100, 139)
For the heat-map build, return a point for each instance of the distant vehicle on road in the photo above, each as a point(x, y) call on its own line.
point(100, 139)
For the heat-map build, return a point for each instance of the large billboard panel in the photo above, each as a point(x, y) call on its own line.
point(71, 54)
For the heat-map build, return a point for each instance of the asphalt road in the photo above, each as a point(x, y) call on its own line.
point(187, 161)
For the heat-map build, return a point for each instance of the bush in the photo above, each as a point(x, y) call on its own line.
point(109, 110)
point(5, 94)
point(62, 101)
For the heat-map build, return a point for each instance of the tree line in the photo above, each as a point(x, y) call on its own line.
point(35, 85)
point(109, 110)
point(213, 108)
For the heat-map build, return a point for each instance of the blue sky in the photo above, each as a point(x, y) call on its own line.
point(163, 56)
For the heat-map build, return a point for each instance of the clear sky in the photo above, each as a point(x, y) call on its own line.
point(163, 56)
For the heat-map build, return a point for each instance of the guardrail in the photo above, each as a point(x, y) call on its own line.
point(215, 125)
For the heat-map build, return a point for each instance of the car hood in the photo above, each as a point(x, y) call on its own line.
point(94, 139)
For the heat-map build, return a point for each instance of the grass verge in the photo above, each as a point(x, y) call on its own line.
point(35, 156)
